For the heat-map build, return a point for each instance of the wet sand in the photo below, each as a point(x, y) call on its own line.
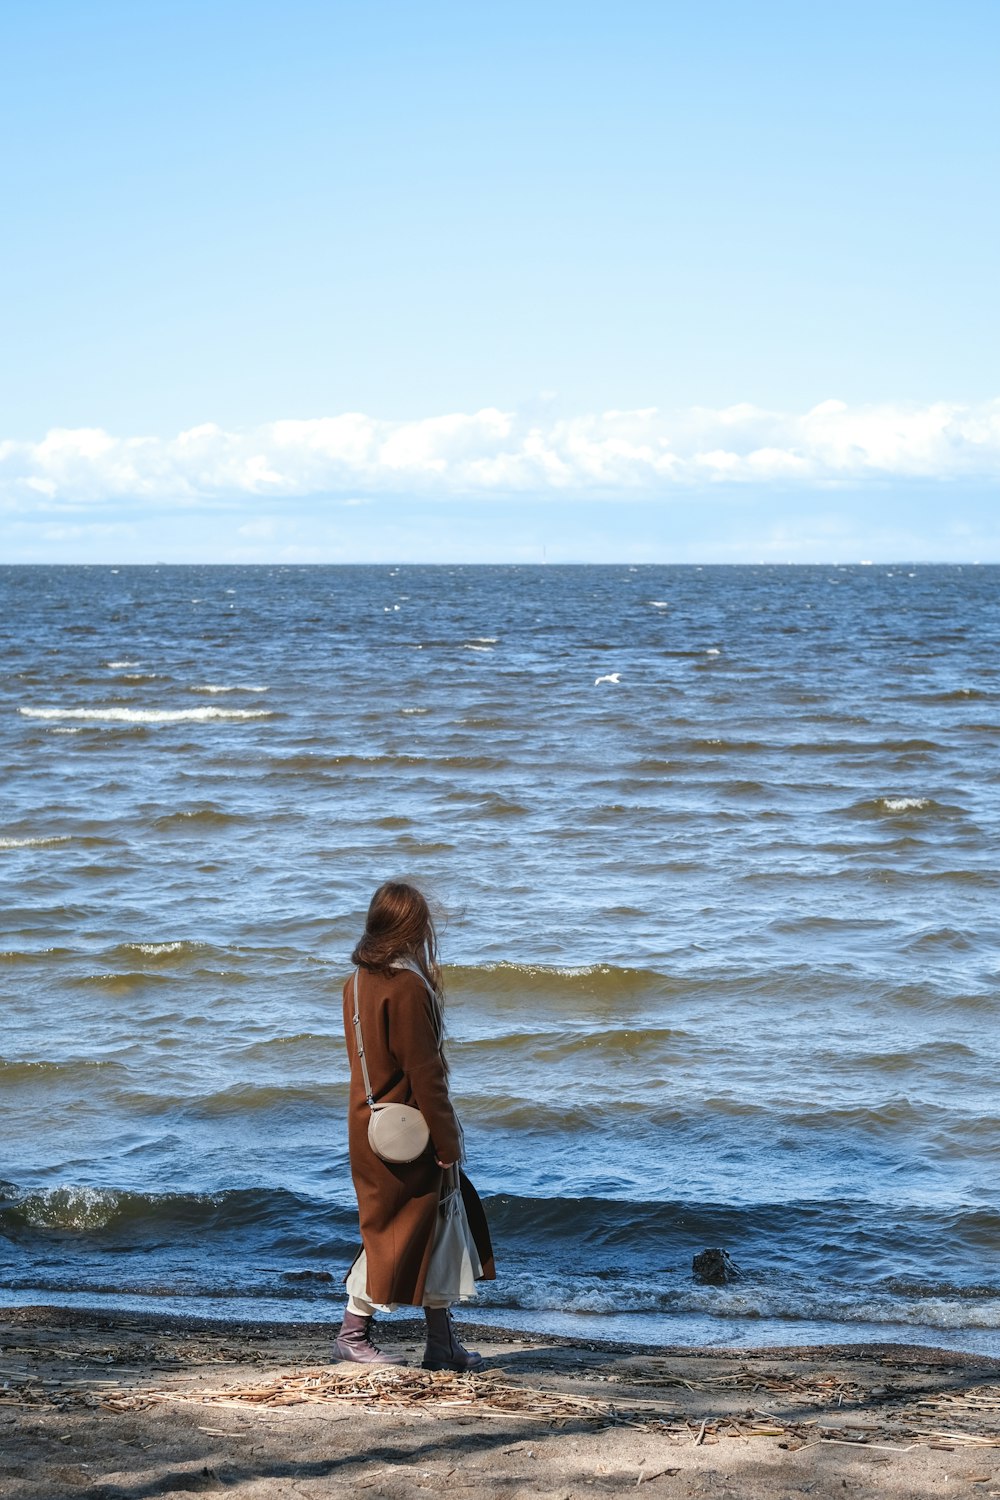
point(129, 1407)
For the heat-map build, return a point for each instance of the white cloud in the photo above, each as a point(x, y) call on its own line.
point(492, 452)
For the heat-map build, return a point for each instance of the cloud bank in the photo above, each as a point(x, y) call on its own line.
point(640, 453)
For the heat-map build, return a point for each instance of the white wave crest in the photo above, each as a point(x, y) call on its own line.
point(99, 715)
point(742, 1301)
point(40, 843)
point(236, 687)
point(904, 804)
point(71, 1208)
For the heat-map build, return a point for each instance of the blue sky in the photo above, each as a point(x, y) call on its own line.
point(663, 281)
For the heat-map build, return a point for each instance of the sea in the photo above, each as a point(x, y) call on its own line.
point(715, 855)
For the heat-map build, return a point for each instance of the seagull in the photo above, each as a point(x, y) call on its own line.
point(611, 677)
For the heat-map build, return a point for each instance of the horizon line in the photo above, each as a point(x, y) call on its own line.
point(865, 562)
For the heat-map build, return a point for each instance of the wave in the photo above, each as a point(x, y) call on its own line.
point(82, 1069)
point(549, 1046)
point(251, 1293)
point(892, 875)
point(120, 983)
point(727, 746)
point(902, 806)
point(928, 996)
point(941, 939)
point(708, 745)
point(316, 1101)
point(570, 984)
point(196, 818)
point(761, 1236)
point(34, 955)
point(957, 695)
point(113, 715)
point(593, 986)
point(90, 1210)
point(310, 1044)
point(741, 1300)
point(311, 1105)
point(847, 1234)
point(925, 1054)
point(42, 841)
point(318, 763)
point(594, 1110)
point(583, 989)
point(173, 948)
point(236, 687)
point(484, 805)
point(808, 1260)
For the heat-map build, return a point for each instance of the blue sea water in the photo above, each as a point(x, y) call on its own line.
point(717, 848)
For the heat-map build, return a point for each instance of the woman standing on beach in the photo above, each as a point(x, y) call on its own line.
point(413, 1251)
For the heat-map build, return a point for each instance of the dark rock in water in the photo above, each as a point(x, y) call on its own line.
point(308, 1276)
point(715, 1267)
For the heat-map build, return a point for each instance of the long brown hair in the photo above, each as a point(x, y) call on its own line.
point(399, 926)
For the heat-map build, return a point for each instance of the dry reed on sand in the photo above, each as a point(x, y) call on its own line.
point(953, 1419)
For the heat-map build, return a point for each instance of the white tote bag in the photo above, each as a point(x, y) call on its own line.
point(455, 1264)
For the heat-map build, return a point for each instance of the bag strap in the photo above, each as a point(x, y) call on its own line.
point(359, 1041)
point(369, 1097)
point(413, 968)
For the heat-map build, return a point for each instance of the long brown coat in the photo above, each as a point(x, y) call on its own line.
point(398, 1202)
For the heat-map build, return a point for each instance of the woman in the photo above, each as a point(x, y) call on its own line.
point(407, 1210)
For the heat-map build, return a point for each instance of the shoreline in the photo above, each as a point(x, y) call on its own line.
point(130, 1406)
point(401, 1329)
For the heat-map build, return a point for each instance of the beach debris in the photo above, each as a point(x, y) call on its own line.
point(715, 1267)
point(890, 1399)
point(948, 1420)
point(382, 1388)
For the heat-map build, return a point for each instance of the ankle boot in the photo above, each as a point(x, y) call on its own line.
point(354, 1342)
point(444, 1351)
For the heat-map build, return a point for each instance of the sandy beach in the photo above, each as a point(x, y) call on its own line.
point(128, 1407)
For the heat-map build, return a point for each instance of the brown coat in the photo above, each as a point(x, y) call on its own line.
point(397, 1203)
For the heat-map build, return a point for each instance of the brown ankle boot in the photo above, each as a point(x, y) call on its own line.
point(354, 1342)
point(444, 1351)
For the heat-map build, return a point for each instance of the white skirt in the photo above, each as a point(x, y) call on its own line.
point(454, 1267)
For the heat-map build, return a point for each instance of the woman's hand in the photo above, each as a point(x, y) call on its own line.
point(447, 1165)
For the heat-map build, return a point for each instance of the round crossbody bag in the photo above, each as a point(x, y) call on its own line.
point(396, 1132)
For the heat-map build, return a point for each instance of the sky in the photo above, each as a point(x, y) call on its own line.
point(684, 281)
